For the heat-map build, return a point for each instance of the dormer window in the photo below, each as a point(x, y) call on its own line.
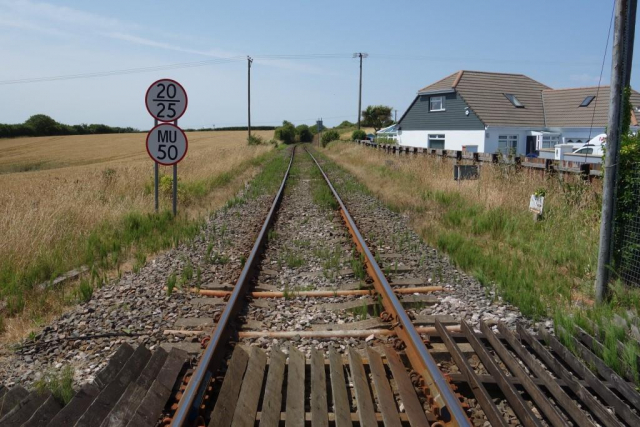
point(516, 103)
point(587, 101)
point(436, 103)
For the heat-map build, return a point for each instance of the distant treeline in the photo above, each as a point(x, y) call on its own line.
point(230, 128)
point(43, 125)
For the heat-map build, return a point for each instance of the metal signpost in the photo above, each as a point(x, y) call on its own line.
point(167, 144)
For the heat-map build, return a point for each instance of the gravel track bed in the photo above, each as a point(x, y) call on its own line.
point(309, 249)
point(138, 304)
point(403, 255)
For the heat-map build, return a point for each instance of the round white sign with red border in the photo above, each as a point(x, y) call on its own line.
point(166, 100)
point(167, 144)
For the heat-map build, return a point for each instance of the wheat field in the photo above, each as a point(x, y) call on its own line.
point(57, 188)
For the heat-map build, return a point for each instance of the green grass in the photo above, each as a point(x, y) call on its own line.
point(59, 383)
point(171, 283)
point(357, 265)
point(320, 191)
point(292, 259)
point(187, 272)
point(330, 260)
point(85, 290)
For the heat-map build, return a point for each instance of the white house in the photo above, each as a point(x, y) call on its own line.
point(511, 113)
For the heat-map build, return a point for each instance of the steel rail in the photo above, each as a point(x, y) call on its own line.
point(214, 353)
point(441, 395)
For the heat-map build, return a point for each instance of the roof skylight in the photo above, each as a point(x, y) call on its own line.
point(587, 101)
point(516, 103)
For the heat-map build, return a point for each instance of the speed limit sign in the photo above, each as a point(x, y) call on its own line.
point(167, 144)
point(166, 100)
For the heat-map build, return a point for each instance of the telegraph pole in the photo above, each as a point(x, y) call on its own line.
point(629, 40)
point(621, 57)
point(395, 116)
point(249, 61)
point(360, 55)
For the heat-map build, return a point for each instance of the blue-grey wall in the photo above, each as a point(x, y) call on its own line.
point(418, 117)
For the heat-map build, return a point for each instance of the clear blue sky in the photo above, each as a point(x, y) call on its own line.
point(559, 43)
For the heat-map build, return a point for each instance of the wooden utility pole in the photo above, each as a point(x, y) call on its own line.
point(629, 40)
point(360, 55)
point(249, 61)
point(621, 57)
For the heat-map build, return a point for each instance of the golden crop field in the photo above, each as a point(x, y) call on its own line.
point(55, 190)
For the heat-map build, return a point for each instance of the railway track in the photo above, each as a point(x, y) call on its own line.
point(396, 369)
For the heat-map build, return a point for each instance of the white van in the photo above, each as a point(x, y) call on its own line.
point(595, 146)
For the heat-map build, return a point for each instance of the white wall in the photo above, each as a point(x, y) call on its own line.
point(492, 133)
point(453, 139)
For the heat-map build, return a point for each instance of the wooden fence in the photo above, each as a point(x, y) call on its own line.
point(585, 170)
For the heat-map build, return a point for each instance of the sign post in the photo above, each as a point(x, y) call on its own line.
point(167, 144)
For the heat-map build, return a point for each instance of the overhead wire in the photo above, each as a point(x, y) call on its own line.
point(266, 57)
point(604, 57)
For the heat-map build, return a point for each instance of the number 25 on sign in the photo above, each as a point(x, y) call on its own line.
point(166, 100)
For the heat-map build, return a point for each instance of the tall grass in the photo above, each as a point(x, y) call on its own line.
point(101, 215)
point(545, 268)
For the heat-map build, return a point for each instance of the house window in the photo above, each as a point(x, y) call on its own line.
point(508, 144)
point(587, 101)
point(436, 141)
point(550, 141)
point(436, 103)
point(516, 103)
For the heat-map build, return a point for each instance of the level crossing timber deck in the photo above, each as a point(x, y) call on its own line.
point(326, 388)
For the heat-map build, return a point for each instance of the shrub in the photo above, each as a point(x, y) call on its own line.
point(255, 140)
point(165, 184)
point(358, 135)
point(328, 136)
point(286, 133)
point(304, 134)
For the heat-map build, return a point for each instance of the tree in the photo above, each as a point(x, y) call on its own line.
point(304, 134)
point(286, 133)
point(43, 125)
point(346, 124)
point(377, 117)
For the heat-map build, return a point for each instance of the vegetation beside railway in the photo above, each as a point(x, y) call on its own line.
point(544, 268)
point(124, 242)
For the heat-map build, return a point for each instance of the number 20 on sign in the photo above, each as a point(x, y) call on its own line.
point(166, 100)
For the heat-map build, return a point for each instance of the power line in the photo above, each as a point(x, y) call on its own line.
point(273, 57)
point(123, 71)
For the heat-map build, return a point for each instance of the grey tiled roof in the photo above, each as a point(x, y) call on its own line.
point(562, 106)
point(484, 92)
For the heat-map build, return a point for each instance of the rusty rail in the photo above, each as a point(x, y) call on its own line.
point(215, 350)
point(442, 398)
